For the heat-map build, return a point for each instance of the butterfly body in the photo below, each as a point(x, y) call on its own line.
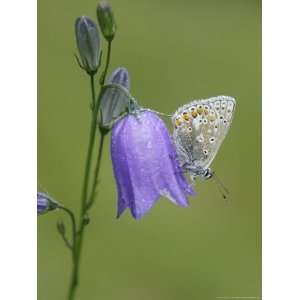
point(199, 130)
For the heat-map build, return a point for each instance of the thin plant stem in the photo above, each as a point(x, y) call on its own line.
point(97, 169)
point(92, 82)
point(103, 76)
point(67, 242)
point(103, 133)
point(85, 187)
point(72, 245)
point(74, 280)
point(73, 223)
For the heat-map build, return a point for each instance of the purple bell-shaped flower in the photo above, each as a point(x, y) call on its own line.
point(145, 164)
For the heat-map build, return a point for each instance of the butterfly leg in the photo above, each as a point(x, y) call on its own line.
point(193, 179)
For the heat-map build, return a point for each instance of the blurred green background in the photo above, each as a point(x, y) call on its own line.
point(175, 51)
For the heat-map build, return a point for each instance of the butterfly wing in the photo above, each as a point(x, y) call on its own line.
point(200, 128)
point(183, 144)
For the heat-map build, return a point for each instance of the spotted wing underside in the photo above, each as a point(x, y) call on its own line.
point(200, 128)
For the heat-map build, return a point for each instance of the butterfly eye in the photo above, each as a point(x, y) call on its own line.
point(190, 129)
point(205, 121)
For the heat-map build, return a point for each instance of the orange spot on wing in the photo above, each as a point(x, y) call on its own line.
point(194, 114)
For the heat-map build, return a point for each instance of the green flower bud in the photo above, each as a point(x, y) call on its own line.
point(106, 20)
point(61, 227)
point(88, 43)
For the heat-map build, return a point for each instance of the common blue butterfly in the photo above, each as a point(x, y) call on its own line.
point(199, 130)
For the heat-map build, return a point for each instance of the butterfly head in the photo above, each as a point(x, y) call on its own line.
point(206, 174)
point(197, 171)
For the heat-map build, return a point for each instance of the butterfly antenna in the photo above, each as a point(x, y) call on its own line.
point(159, 113)
point(221, 187)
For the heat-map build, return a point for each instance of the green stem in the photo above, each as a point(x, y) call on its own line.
point(67, 243)
point(73, 222)
point(84, 195)
point(103, 76)
point(92, 81)
point(97, 169)
point(88, 164)
point(72, 247)
point(103, 133)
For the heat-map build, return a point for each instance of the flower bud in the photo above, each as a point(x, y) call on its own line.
point(115, 98)
point(106, 20)
point(88, 43)
point(45, 203)
point(61, 227)
point(120, 76)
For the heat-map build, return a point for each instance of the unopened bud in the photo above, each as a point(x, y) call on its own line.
point(88, 43)
point(106, 20)
point(115, 98)
point(120, 76)
point(61, 227)
point(45, 203)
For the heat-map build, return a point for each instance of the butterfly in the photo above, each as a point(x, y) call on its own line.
point(199, 130)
